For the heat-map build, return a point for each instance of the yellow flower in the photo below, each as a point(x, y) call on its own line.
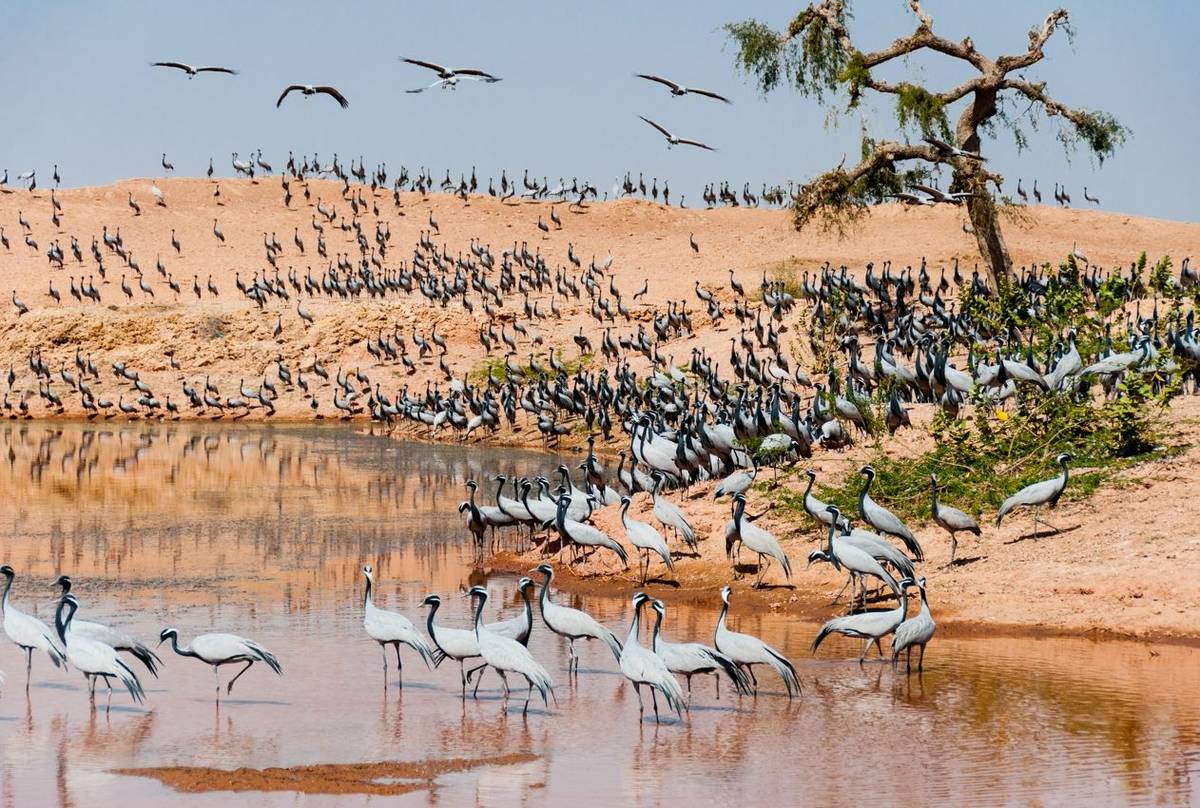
point(1002, 415)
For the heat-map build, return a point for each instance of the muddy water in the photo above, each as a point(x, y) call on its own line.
point(262, 531)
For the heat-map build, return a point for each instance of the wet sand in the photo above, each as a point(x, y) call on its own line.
point(387, 779)
point(263, 532)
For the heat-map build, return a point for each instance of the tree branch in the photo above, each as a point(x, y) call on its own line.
point(1038, 37)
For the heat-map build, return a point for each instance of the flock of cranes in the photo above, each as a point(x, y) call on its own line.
point(96, 651)
point(448, 79)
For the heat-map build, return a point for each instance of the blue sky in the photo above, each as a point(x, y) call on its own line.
point(80, 91)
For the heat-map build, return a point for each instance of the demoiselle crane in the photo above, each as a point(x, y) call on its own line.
point(26, 631)
point(392, 628)
point(222, 649)
point(747, 651)
point(642, 666)
point(574, 624)
point(507, 656)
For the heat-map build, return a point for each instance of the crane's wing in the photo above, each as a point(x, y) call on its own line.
point(696, 143)
point(938, 144)
point(659, 79)
point(475, 72)
point(709, 93)
point(216, 69)
point(934, 192)
point(664, 132)
point(333, 91)
point(430, 65)
point(177, 65)
point(289, 88)
point(437, 83)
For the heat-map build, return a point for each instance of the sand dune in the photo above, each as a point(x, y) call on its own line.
point(227, 338)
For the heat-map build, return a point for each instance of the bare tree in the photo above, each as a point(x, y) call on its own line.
point(817, 55)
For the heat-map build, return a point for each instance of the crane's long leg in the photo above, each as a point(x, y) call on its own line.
point(953, 548)
point(28, 667)
point(229, 687)
point(654, 699)
point(383, 648)
point(921, 660)
point(504, 679)
point(572, 661)
point(641, 707)
point(399, 664)
point(528, 696)
point(479, 669)
point(762, 569)
point(217, 679)
point(462, 677)
point(838, 596)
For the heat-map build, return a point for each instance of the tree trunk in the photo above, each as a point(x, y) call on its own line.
point(986, 224)
point(969, 176)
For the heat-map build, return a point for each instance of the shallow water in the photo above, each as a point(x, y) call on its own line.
point(262, 531)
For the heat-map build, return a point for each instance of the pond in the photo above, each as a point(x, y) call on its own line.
point(263, 531)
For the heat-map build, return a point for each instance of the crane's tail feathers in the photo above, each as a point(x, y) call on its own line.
point(131, 682)
point(147, 657)
point(418, 645)
point(437, 655)
point(825, 631)
point(787, 565)
point(666, 557)
point(613, 644)
point(620, 551)
point(56, 655)
point(914, 547)
point(890, 581)
point(673, 693)
point(266, 656)
point(740, 681)
point(786, 671)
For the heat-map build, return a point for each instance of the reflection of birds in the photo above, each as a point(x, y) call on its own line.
point(193, 71)
point(27, 631)
point(675, 140)
point(314, 89)
point(679, 90)
point(643, 667)
point(92, 658)
point(222, 649)
point(392, 628)
point(110, 636)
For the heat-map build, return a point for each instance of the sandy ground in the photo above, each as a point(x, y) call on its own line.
point(1118, 569)
point(386, 779)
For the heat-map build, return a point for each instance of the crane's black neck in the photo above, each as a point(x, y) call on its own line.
point(63, 623)
point(433, 607)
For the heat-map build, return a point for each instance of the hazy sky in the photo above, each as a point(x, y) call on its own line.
point(79, 90)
